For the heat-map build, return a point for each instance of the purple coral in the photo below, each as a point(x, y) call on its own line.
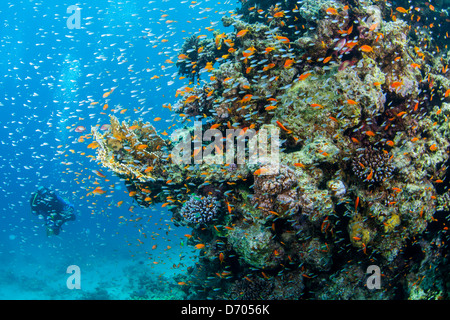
point(200, 210)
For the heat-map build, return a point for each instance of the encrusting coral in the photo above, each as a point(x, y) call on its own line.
point(361, 104)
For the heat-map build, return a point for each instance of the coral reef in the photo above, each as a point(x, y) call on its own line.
point(360, 95)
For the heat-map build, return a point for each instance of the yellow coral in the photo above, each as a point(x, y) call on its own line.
point(360, 235)
point(391, 223)
point(122, 151)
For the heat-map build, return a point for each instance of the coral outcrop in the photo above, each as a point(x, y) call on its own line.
point(359, 94)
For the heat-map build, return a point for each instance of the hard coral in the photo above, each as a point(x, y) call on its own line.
point(274, 189)
point(131, 149)
point(198, 210)
point(252, 289)
point(372, 166)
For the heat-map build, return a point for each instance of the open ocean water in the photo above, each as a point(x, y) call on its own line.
point(51, 76)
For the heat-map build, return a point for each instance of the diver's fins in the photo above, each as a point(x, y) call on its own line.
point(50, 232)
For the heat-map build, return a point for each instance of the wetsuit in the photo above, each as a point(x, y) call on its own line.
point(52, 208)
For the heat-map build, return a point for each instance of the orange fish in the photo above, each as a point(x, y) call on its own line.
point(401, 9)
point(260, 171)
point(268, 49)
point(366, 48)
point(370, 175)
point(350, 101)
point(106, 94)
point(269, 66)
point(242, 33)
point(199, 246)
point(101, 175)
point(191, 99)
point(396, 84)
point(304, 76)
point(98, 191)
point(370, 133)
point(332, 11)
point(355, 140)
point(246, 98)
point(247, 53)
point(93, 145)
point(373, 26)
point(327, 59)
point(283, 39)
point(229, 207)
point(288, 63)
point(283, 127)
point(350, 30)
point(351, 44)
point(279, 14)
point(142, 147)
point(333, 119)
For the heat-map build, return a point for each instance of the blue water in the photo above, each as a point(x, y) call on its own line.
point(50, 76)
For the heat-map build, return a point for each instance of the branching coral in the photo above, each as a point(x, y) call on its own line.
point(134, 150)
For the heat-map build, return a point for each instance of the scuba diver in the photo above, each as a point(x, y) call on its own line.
point(47, 205)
